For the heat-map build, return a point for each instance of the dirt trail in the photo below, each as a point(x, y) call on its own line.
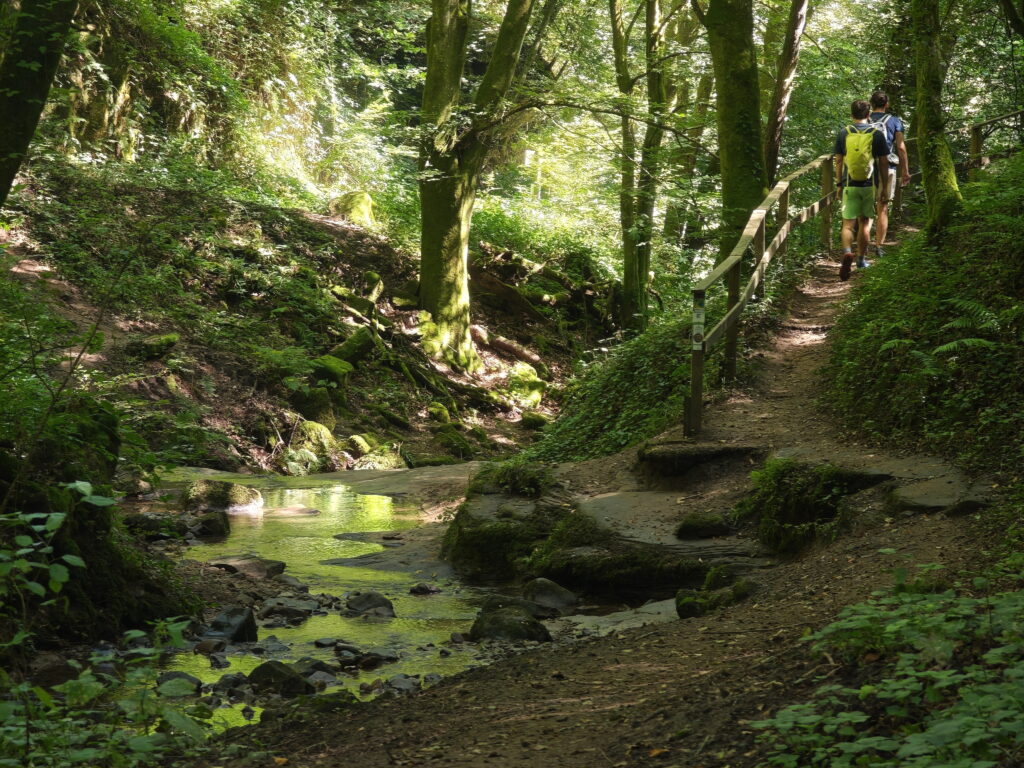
point(675, 694)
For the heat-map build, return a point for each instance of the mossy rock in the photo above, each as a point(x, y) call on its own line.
point(384, 457)
point(525, 385)
point(355, 348)
point(356, 206)
point(393, 418)
point(316, 405)
point(703, 525)
point(534, 420)
point(360, 445)
point(439, 413)
point(331, 368)
point(153, 347)
point(481, 544)
point(205, 495)
point(511, 624)
point(433, 461)
point(617, 569)
point(314, 437)
point(698, 602)
point(374, 284)
point(449, 438)
point(516, 476)
point(359, 303)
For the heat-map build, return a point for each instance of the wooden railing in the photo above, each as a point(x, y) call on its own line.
point(754, 238)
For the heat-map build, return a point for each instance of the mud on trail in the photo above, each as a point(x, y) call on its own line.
point(678, 693)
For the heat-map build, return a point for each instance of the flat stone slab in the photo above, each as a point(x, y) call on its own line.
point(677, 457)
point(250, 565)
point(949, 493)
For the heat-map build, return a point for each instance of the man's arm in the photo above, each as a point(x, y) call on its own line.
point(839, 169)
point(901, 152)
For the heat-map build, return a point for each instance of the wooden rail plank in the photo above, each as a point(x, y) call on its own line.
point(991, 120)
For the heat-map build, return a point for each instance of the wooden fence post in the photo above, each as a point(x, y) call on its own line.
point(695, 405)
point(975, 162)
point(780, 221)
point(732, 333)
point(827, 187)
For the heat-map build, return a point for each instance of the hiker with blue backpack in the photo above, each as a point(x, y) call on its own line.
point(862, 161)
point(892, 128)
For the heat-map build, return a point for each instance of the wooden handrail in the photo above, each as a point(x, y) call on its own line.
point(753, 237)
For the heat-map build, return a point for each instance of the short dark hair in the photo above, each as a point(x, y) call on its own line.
point(879, 99)
point(860, 109)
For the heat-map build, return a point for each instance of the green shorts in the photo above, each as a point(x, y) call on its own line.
point(859, 202)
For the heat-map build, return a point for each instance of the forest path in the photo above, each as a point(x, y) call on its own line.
point(672, 694)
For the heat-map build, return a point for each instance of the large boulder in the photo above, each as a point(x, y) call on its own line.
point(289, 608)
point(510, 624)
point(369, 603)
point(356, 206)
point(280, 678)
point(538, 611)
point(251, 565)
point(220, 495)
point(236, 624)
point(549, 594)
point(212, 524)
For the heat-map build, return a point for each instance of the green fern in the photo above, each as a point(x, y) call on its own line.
point(972, 315)
point(961, 345)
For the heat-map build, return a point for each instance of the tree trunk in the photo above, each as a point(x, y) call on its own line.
point(1014, 15)
point(730, 25)
point(937, 169)
point(678, 213)
point(29, 64)
point(452, 157)
point(785, 79)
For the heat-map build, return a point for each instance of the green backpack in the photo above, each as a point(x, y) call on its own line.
point(859, 160)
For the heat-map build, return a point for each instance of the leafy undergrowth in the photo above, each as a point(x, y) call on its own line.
point(220, 302)
point(930, 676)
point(928, 350)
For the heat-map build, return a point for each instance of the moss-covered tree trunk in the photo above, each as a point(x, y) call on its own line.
point(785, 79)
point(26, 73)
point(937, 169)
point(730, 25)
point(452, 156)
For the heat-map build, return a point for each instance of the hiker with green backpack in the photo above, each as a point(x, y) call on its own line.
point(862, 159)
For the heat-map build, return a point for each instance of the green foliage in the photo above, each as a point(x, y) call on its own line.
point(121, 720)
point(943, 688)
point(794, 504)
point(936, 361)
point(519, 476)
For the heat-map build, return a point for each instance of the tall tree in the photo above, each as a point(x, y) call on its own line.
point(730, 26)
point(785, 79)
point(1014, 15)
point(937, 169)
point(455, 146)
point(29, 64)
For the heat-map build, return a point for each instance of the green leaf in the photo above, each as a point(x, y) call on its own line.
point(99, 501)
point(74, 560)
point(35, 588)
point(81, 486)
point(145, 744)
point(55, 521)
point(176, 687)
point(183, 723)
point(59, 573)
point(24, 541)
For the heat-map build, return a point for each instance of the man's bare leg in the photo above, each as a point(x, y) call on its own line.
point(863, 237)
point(881, 223)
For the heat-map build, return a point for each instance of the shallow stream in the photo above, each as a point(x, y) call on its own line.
point(423, 624)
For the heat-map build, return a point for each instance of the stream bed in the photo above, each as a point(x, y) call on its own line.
point(420, 634)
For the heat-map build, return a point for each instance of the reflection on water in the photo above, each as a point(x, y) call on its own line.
point(284, 531)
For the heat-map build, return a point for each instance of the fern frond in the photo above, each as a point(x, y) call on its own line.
point(963, 344)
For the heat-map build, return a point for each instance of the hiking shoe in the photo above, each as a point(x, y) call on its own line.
point(844, 268)
point(863, 263)
point(879, 253)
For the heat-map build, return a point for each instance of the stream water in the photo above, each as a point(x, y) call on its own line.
point(302, 541)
